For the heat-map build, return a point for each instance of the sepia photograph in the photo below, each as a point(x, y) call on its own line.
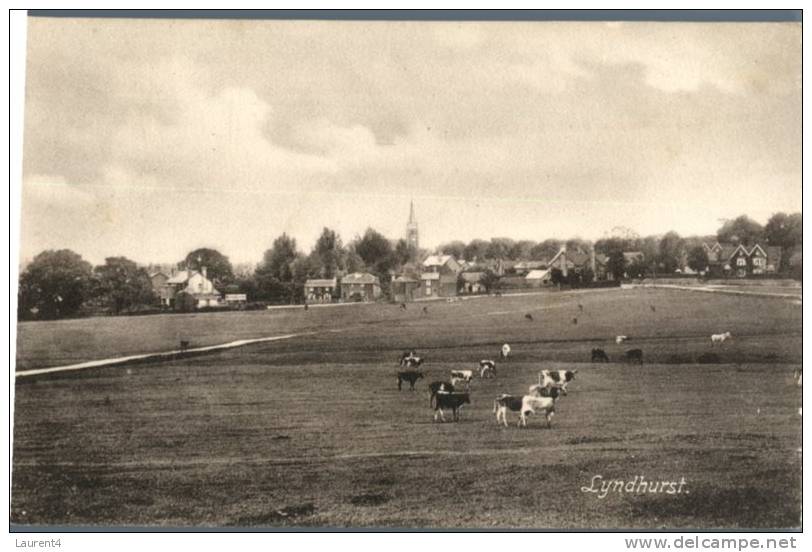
point(409, 271)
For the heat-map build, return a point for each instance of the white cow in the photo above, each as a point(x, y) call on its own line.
point(620, 339)
point(505, 350)
point(720, 338)
point(532, 404)
point(462, 376)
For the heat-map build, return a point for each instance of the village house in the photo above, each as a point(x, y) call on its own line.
point(741, 261)
point(538, 278)
point(404, 288)
point(568, 261)
point(471, 283)
point(320, 290)
point(439, 277)
point(159, 288)
point(194, 285)
point(360, 286)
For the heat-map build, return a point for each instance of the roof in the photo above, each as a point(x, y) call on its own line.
point(437, 260)
point(159, 273)
point(359, 278)
point(472, 277)
point(632, 255)
point(537, 274)
point(405, 279)
point(181, 277)
point(320, 282)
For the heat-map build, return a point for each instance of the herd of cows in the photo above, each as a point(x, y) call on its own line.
point(454, 393)
point(449, 395)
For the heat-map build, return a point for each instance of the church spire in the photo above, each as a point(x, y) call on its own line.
point(411, 213)
point(411, 229)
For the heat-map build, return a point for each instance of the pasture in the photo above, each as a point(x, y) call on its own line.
point(312, 431)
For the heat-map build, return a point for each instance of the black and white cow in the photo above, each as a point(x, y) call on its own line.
point(556, 378)
point(410, 376)
point(439, 387)
point(462, 376)
point(487, 369)
point(503, 403)
point(450, 401)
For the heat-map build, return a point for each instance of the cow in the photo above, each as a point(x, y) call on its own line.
point(653, 308)
point(720, 338)
point(306, 306)
point(575, 321)
point(634, 355)
point(411, 376)
point(621, 338)
point(599, 355)
point(412, 363)
point(580, 307)
point(503, 403)
point(405, 355)
point(450, 401)
point(403, 306)
point(556, 378)
point(505, 351)
point(425, 310)
point(184, 345)
point(487, 368)
point(528, 316)
point(531, 404)
point(464, 376)
point(439, 387)
point(799, 376)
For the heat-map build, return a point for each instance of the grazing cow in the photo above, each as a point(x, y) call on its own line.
point(450, 401)
point(505, 351)
point(439, 387)
point(621, 338)
point(425, 310)
point(403, 306)
point(503, 403)
point(599, 355)
point(720, 338)
point(653, 309)
point(575, 320)
point(634, 355)
point(528, 316)
point(462, 376)
point(184, 345)
point(580, 307)
point(556, 378)
point(411, 376)
point(487, 368)
point(531, 404)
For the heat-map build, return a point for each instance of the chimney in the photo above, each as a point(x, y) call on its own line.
point(592, 259)
point(564, 260)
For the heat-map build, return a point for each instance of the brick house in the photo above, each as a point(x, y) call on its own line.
point(361, 286)
point(439, 277)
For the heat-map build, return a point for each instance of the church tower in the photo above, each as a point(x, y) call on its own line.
point(411, 229)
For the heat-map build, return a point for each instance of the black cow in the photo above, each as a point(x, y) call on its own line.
point(403, 306)
point(574, 320)
point(439, 387)
point(184, 345)
point(411, 376)
point(450, 401)
point(528, 316)
point(580, 307)
point(599, 355)
point(635, 355)
point(425, 310)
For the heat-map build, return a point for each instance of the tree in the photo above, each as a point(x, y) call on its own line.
point(455, 248)
point(218, 267)
point(521, 250)
point(740, 230)
point(376, 252)
point(698, 259)
point(277, 260)
point(616, 263)
point(121, 284)
point(55, 284)
point(475, 250)
point(499, 248)
point(785, 231)
point(672, 247)
point(556, 276)
point(328, 254)
point(545, 250)
point(406, 253)
point(490, 280)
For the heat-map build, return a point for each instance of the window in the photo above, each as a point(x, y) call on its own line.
point(741, 261)
point(759, 261)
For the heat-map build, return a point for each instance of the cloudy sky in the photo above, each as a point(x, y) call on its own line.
point(148, 138)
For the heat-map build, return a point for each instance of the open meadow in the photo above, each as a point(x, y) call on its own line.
point(312, 431)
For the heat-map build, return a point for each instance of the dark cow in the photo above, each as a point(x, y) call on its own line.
point(653, 308)
point(439, 387)
point(403, 306)
point(184, 345)
point(411, 376)
point(635, 355)
point(580, 307)
point(574, 320)
point(599, 355)
point(450, 401)
point(425, 310)
point(528, 316)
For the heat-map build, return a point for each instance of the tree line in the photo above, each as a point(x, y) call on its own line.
point(59, 283)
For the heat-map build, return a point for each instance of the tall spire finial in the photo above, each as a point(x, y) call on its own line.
point(411, 212)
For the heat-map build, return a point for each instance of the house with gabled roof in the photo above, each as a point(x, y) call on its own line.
point(200, 291)
point(741, 261)
point(360, 286)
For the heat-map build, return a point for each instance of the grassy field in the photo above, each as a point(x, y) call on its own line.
point(313, 432)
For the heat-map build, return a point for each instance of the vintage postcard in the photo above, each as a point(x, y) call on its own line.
point(413, 274)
